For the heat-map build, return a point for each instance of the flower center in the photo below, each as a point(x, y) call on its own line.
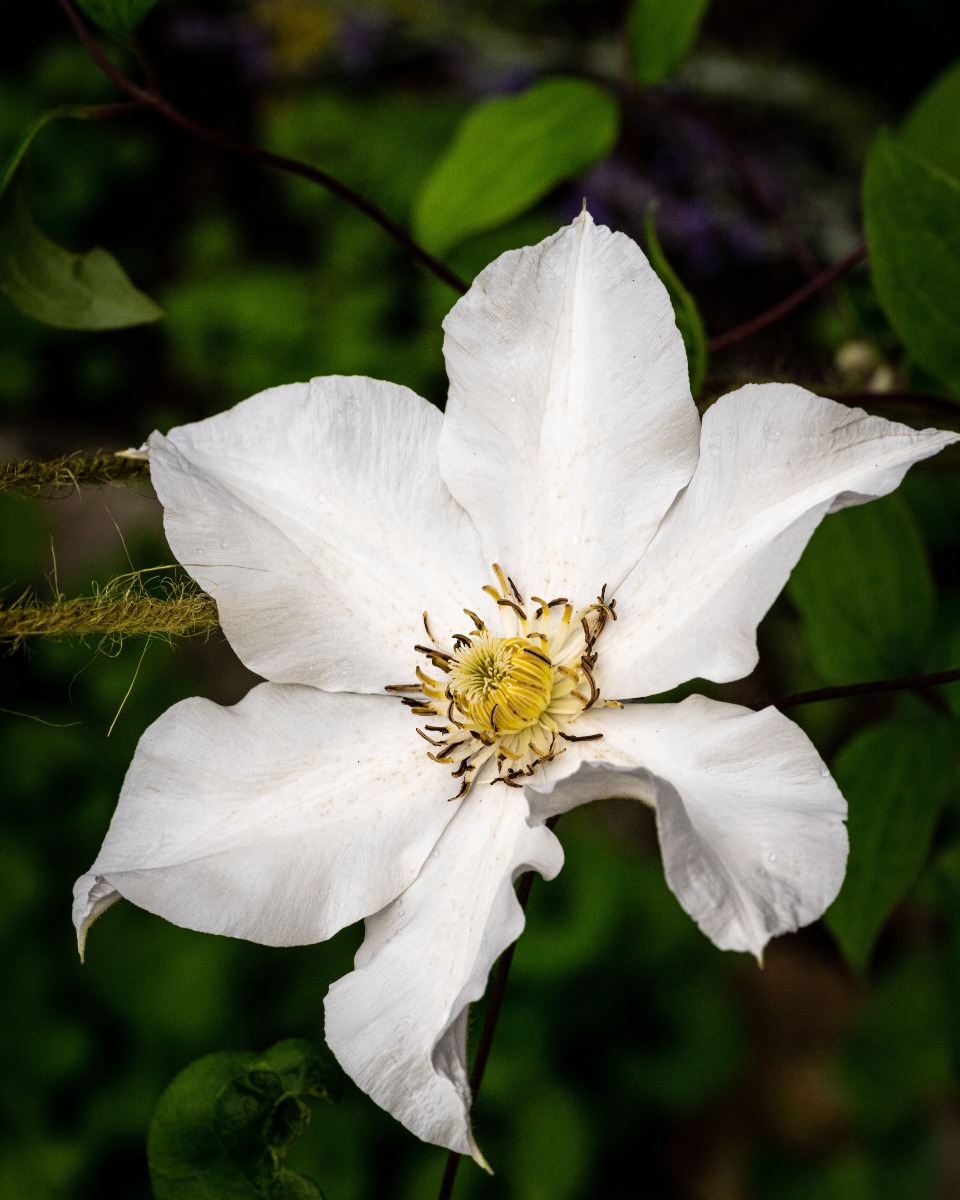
point(501, 684)
point(509, 699)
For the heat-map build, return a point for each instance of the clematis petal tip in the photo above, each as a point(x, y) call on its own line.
point(478, 1156)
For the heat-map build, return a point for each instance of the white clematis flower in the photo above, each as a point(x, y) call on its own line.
point(447, 611)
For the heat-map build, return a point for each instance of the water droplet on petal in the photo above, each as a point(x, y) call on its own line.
point(771, 858)
point(771, 431)
point(513, 399)
point(824, 772)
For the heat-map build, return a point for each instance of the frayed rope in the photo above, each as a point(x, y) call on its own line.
point(71, 470)
point(113, 612)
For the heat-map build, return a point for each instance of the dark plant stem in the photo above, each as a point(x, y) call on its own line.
point(497, 990)
point(875, 686)
point(223, 141)
point(787, 305)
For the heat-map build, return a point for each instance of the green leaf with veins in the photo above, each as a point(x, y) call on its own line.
point(912, 221)
point(508, 153)
point(865, 593)
point(898, 777)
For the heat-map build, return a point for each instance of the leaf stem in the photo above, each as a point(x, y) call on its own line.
point(280, 162)
point(771, 315)
point(874, 686)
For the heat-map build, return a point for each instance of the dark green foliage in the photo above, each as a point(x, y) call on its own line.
point(88, 291)
point(932, 128)
point(119, 17)
point(864, 591)
point(662, 33)
point(897, 776)
point(71, 291)
point(911, 212)
point(225, 1124)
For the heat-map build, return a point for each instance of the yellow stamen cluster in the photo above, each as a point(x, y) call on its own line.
point(501, 685)
point(509, 699)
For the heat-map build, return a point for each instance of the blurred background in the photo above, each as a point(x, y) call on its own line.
point(629, 1048)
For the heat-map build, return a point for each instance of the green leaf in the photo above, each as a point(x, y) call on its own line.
point(912, 221)
point(684, 306)
point(223, 1126)
point(508, 153)
point(71, 291)
point(897, 778)
point(662, 33)
point(79, 111)
point(932, 128)
point(865, 594)
point(119, 17)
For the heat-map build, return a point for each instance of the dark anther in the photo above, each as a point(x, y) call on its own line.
point(464, 788)
point(536, 654)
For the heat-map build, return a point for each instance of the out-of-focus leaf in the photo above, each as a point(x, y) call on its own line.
point(950, 657)
point(509, 152)
point(932, 128)
point(864, 591)
point(897, 778)
point(224, 1124)
point(662, 33)
point(79, 111)
point(684, 307)
point(896, 1063)
point(119, 17)
point(43, 280)
point(912, 221)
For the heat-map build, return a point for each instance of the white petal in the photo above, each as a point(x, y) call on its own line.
point(750, 820)
point(281, 820)
point(315, 516)
point(398, 1022)
point(774, 459)
point(570, 427)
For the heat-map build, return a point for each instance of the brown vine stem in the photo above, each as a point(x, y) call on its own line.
point(740, 332)
point(225, 142)
point(874, 686)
